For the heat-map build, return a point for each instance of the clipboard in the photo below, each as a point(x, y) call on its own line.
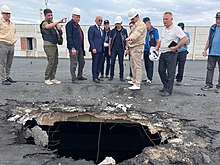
point(172, 44)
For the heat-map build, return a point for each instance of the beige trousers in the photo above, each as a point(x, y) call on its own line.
point(136, 54)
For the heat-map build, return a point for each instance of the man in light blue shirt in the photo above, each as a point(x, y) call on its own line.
point(181, 57)
point(212, 44)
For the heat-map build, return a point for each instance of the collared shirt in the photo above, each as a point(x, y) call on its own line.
point(7, 32)
point(184, 47)
point(172, 33)
point(138, 34)
point(99, 28)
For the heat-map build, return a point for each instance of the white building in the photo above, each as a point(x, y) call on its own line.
point(29, 41)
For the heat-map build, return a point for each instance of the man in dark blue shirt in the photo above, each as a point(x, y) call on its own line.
point(117, 46)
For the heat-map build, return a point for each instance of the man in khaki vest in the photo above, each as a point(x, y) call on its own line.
point(7, 41)
point(136, 41)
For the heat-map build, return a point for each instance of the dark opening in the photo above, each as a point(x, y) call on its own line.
point(95, 141)
point(30, 41)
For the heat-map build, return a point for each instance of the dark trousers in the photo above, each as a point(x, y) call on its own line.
point(130, 73)
point(106, 58)
point(96, 64)
point(166, 69)
point(211, 63)
point(78, 58)
point(181, 60)
point(149, 65)
point(120, 54)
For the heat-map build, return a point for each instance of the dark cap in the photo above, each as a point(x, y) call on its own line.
point(181, 24)
point(146, 19)
point(106, 21)
point(217, 15)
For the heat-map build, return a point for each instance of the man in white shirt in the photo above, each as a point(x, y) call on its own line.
point(168, 47)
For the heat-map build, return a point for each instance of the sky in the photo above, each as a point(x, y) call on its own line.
point(191, 12)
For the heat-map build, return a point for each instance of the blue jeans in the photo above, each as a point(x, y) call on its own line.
point(120, 54)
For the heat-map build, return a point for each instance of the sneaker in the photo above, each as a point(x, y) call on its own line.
point(48, 82)
point(178, 83)
point(110, 79)
point(54, 81)
point(130, 82)
point(149, 81)
point(144, 80)
point(106, 76)
point(102, 76)
point(217, 90)
point(6, 82)
point(134, 87)
point(206, 88)
point(11, 80)
point(128, 78)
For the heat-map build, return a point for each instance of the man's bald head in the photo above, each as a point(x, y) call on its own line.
point(98, 20)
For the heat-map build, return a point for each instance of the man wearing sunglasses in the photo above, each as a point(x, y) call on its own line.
point(7, 41)
point(96, 41)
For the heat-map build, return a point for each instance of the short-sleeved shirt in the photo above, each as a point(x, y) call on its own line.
point(117, 45)
point(215, 49)
point(172, 33)
point(184, 47)
point(47, 31)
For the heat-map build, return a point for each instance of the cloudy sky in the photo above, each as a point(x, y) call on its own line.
point(192, 12)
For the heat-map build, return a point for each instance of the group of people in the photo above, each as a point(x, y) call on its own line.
point(107, 44)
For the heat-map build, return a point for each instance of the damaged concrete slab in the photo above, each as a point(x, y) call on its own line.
point(35, 117)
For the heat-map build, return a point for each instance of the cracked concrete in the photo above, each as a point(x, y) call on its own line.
point(193, 115)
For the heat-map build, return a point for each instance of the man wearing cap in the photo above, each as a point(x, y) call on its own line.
point(106, 57)
point(7, 41)
point(75, 45)
point(168, 48)
point(50, 31)
point(181, 56)
point(96, 41)
point(117, 47)
point(152, 39)
point(213, 44)
point(136, 41)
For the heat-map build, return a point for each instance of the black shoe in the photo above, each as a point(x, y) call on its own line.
point(11, 80)
point(96, 81)
point(165, 94)
point(81, 78)
point(121, 79)
point(102, 76)
point(6, 82)
point(110, 79)
point(106, 76)
point(162, 90)
point(99, 79)
point(75, 82)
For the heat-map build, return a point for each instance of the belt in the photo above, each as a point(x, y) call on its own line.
point(5, 43)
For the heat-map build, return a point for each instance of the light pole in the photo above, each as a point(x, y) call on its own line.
point(46, 2)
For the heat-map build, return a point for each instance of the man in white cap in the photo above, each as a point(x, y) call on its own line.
point(136, 41)
point(117, 46)
point(7, 41)
point(75, 45)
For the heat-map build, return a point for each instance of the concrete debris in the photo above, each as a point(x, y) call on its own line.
point(216, 141)
point(107, 161)
point(206, 159)
point(149, 100)
point(176, 140)
point(130, 98)
point(40, 136)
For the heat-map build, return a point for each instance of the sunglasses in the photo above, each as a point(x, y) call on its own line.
point(100, 20)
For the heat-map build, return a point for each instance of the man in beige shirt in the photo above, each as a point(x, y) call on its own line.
point(7, 41)
point(136, 41)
